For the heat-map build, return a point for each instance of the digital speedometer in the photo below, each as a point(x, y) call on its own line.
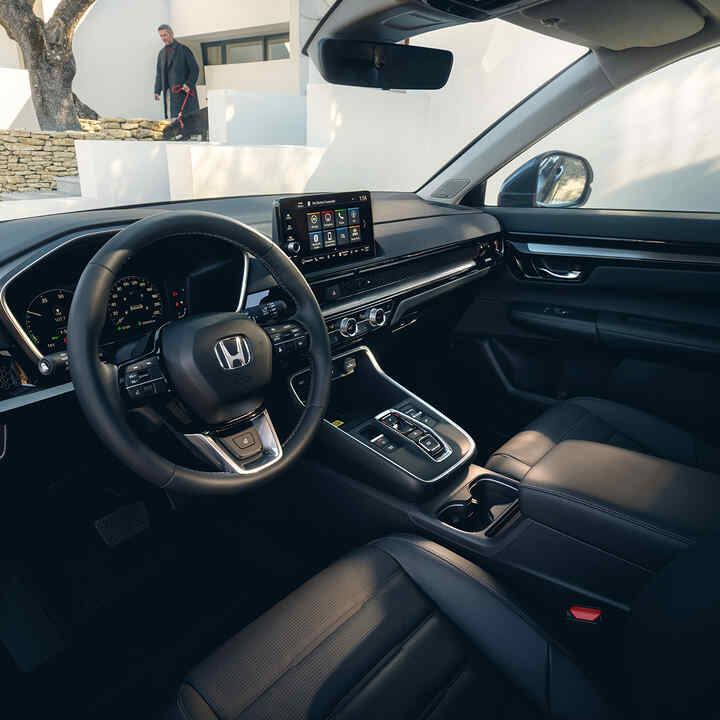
point(135, 303)
point(46, 320)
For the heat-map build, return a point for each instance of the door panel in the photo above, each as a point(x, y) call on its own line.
point(630, 311)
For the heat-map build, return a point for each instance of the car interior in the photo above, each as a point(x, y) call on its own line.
point(373, 454)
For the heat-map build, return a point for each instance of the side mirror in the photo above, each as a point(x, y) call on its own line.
point(553, 179)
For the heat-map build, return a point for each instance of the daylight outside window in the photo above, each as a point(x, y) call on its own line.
point(257, 117)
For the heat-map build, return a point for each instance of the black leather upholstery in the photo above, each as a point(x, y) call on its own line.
point(636, 506)
point(601, 421)
point(401, 628)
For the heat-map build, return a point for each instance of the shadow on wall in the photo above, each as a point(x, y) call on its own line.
point(16, 110)
point(693, 188)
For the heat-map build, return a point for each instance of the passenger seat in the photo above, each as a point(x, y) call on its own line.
point(601, 421)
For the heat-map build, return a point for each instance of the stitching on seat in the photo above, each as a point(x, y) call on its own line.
point(620, 516)
point(181, 703)
point(442, 693)
point(555, 444)
point(505, 454)
point(307, 650)
point(505, 601)
point(376, 669)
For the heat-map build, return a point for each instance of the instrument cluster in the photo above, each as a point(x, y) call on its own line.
point(136, 305)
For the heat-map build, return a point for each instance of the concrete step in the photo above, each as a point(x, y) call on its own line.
point(37, 195)
point(69, 184)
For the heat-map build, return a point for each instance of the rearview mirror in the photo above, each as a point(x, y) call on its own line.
point(383, 65)
point(553, 179)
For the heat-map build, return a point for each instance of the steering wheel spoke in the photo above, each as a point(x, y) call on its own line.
point(244, 447)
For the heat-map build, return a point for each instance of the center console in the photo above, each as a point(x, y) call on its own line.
point(403, 444)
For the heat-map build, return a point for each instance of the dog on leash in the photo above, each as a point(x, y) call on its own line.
point(192, 124)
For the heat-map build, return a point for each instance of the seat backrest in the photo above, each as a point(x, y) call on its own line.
point(673, 637)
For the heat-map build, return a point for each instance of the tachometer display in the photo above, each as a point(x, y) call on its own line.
point(46, 320)
point(135, 304)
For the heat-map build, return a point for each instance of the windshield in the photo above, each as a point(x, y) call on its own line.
point(155, 101)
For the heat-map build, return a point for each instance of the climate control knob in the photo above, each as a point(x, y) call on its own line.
point(293, 247)
point(348, 327)
point(377, 317)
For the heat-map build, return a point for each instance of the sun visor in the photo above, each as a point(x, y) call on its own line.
point(613, 24)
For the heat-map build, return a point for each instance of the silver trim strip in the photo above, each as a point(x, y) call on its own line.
point(216, 453)
point(244, 286)
point(30, 348)
point(412, 396)
point(390, 292)
point(35, 396)
point(597, 253)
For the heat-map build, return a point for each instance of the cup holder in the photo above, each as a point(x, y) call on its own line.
point(488, 501)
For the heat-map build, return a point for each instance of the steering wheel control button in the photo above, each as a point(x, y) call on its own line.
point(288, 338)
point(245, 444)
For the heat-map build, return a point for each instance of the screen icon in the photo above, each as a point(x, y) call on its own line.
point(330, 240)
point(328, 219)
point(355, 235)
point(314, 221)
point(343, 236)
point(341, 218)
point(354, 215)
point(316, 241)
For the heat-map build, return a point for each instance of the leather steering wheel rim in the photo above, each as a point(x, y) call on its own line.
point(96, 382)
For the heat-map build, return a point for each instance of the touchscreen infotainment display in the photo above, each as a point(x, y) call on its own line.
point(320, 230)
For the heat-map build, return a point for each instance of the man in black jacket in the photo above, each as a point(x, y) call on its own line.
point(176, 75)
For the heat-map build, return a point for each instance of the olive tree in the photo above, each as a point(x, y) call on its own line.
point(46, 48)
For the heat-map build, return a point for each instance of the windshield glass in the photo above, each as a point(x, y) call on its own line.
point(108, 104)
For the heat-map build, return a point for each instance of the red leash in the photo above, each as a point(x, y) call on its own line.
point(177, 89)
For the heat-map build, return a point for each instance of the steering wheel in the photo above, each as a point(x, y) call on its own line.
point(208, 372)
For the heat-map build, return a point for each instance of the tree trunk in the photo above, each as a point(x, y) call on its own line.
point(47, 51)
point(51, 77)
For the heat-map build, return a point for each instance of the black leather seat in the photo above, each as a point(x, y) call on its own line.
point(601, 421)
point(404, 628)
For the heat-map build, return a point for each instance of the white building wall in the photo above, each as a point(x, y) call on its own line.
point(116, 48)
point(211, 16)
point(275, 76)
point(240, 118)
point(9, 52)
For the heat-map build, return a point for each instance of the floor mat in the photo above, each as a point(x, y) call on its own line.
point(137, 617)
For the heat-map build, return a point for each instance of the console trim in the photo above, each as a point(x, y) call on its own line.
point(373, 361)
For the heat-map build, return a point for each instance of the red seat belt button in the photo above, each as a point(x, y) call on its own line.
point(585, 614)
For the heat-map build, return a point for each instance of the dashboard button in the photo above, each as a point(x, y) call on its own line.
point(332, 292)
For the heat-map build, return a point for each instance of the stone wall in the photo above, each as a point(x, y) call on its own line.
point(30, 161)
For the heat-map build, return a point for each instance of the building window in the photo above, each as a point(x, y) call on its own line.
point(242, 50)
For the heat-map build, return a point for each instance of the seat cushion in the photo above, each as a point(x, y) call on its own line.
point(601, 421)
point(402, 628)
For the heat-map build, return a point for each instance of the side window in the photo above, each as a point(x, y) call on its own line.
point(653, 145)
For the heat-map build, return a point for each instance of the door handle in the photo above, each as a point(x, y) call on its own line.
point(567, 275)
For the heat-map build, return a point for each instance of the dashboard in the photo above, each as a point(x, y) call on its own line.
point(164, 283)
point(385, 260)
